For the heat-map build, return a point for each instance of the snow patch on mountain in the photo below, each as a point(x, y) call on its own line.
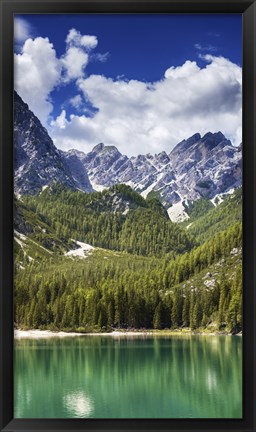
point(82, 251)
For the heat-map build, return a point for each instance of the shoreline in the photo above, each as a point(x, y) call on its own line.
point(34, 334)
point(46, 334)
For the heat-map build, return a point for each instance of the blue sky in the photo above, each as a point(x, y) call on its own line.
point(117, 78)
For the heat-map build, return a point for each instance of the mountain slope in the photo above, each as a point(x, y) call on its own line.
point(216, 219)
point(206, 166)
point(38, 163)
point(118, 219)
point(33, 227)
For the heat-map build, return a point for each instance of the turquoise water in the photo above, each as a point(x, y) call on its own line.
point(138, 377)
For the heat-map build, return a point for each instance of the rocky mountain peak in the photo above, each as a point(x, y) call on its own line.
point(74, 152)
point(217, 136)
point(98, 148)
point(162, 157)
point(38, 162)
point(110, 148)
point(213, 139)
point(102, 148)
point(185, 144)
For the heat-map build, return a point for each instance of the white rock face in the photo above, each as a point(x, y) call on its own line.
point(207, 166)
point(177, 212)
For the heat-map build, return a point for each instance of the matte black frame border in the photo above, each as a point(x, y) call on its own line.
point(248, 9)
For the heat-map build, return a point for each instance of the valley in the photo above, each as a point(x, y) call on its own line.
point(105, 242)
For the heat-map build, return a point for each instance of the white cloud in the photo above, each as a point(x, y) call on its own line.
point(76, 57)
point(61, 121)
point(187, 69)
point(74, 38)
point(77, 133)
point(22, 30)
point(76, 101)
point(141, 117)
point(89, 42)
point(37, 72)
point(136, 116)
point(74, 62)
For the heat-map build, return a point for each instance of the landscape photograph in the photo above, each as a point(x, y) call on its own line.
point(128, 291)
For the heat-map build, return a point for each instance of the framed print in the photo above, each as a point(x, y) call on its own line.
point(127, 215)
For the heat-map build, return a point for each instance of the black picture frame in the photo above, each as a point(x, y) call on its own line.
point(248, 10)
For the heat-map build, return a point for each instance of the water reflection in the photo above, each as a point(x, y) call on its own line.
point(102, 377)
point(78, 404)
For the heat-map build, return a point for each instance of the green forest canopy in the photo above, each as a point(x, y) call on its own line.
point(146, 273)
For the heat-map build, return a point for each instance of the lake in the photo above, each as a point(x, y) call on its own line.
point(129, 377)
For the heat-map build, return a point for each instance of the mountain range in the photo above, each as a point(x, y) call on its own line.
point(199, 167)
point(95, 249)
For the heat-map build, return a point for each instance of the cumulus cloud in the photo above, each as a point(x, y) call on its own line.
point(135, 116)
point(183, 71)
point(37, 72)
point(76, 101)
point(74, 62)
point(78, 132)
point(89, 42)
point(76, 57)
point(75, 38)
point(141, 117)
point(61, 121)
